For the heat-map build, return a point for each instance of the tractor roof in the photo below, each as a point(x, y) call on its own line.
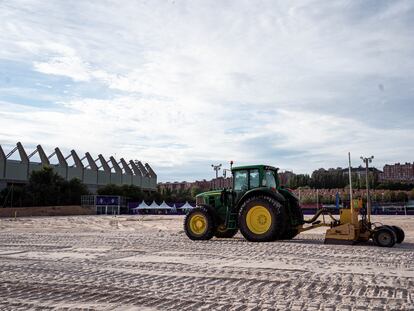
point(258, 166)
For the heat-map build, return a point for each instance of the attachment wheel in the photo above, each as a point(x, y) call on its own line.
point(384, 236)
point(399, 233)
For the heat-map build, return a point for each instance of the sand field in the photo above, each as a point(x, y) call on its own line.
point(147, 263)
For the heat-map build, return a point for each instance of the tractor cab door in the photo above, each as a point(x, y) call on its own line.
point(245, 180)
point(240, 184)
point(270, 180)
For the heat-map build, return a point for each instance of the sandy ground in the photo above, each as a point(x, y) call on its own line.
point(135, 263)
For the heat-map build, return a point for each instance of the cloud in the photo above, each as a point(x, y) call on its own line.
point(71, 67)
point(182, 84)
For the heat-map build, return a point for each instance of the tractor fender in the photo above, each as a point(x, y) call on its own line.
point(288, 194)
point(294, 206)
point(261, 191)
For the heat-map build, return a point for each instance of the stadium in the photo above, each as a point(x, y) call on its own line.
point(94, 173)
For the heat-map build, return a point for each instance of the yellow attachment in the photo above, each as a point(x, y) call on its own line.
point(258, 219)
point(345, 216)
point(198, 224)
point(343, 232)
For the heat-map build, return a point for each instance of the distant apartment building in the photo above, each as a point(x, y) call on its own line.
point(204, 185)
point(221, 183)
point(398, 172)
point(360, 171)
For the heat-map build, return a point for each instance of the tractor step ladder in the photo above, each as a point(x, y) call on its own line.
point(231, 221)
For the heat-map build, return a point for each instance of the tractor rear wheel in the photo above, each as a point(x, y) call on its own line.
point(262, 219)
point(399, 233)
point(198, 224)
point(384, 236)
point(223, 233)
point(297, 215)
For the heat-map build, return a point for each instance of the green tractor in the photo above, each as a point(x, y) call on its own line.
point(257, 205)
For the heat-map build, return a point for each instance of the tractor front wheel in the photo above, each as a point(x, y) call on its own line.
point(223, 233)
point(198, 224)
point(262, 219)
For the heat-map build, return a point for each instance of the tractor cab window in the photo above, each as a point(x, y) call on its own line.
point(254, 179)
point(240, 181)
point(269, 179)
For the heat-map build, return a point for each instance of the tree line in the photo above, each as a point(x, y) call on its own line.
point(309, 196)
point(336, 179)
point(45, 188)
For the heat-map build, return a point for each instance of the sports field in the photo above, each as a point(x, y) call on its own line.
point(147, 263)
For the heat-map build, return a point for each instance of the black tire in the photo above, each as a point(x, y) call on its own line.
point(399, 233)
point(297, 212)
point(223, 233)
point(274, 226)
point(205, 231)
point(298, 219)
point(384, 236)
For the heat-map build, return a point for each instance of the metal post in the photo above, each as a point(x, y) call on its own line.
point(367, 186)
point(317, 198)
point(351, 204)
point(367, 161)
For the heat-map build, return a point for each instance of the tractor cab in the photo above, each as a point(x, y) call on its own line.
point(248, 178)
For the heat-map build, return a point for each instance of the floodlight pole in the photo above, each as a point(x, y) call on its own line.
point(351, 204)
point(216, 168)
point(367, 161)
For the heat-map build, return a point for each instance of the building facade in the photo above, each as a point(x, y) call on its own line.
point(398, 172)
point(203, 185)
point(94, 173)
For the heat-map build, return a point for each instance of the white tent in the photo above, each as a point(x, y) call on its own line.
point(154, 205)
point(143, 205)
point(164, 205)
point(140, 206)
point(187, 206)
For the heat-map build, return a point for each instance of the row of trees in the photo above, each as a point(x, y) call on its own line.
point(336, 179)
point(45, 188)
point(309, 197)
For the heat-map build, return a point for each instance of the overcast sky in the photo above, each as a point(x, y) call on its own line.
point(184, 84)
